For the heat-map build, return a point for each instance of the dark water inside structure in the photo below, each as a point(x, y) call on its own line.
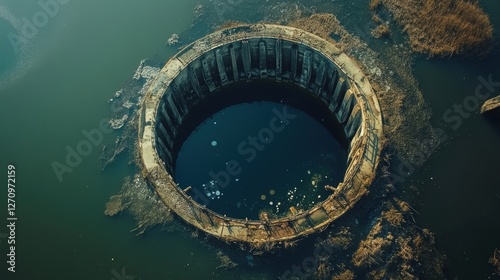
point(61, 83)
point(262, 155)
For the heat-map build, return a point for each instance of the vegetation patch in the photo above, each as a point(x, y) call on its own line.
point(443, 27)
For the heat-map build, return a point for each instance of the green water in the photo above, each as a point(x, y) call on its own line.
point(83, 55)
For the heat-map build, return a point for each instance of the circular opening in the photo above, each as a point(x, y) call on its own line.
point(189, 90)
point(272, 149)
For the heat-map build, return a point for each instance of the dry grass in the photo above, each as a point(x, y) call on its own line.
point(370, 251)
point(341, 239)
point(322, 25)
point(324, 270)
point(344, 275)
point(381, 31)
point(378, 274)
point(376, 19)
point(374, 4)
point(394, 217)
point(443, 27)
point(495, 261)
point(406, 251)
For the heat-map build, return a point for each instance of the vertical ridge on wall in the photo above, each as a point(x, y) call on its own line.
point(353, 122)
point(332, 80)
point(247, 60)
point(166, 136)
point(172, 109)
point(234, 64)
point(306, 69)
point(221, 67)
point(293, 62)
point(207, 75)
point(320, 77)
point(338, 94)
point(278, 52)
point(179, 98)
point(195, 83)
point(345, 108)
point(262, 59)
point(166, 118)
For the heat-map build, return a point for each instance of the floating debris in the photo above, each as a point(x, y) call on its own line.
point(173, 40)
point(272, 192)
point(263, 197)
point(118, 93)
point(114, 206)
point(146, 207)
point(214, 143)
point(211, 190)
point(128, 104)
point(225, 261)
point(198, 11)
point(118, 123)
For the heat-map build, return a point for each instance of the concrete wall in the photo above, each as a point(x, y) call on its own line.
point(255, 58)
point(273, 52)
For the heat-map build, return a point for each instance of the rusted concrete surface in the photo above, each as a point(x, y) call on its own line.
point(248, 52)
point(491, 105)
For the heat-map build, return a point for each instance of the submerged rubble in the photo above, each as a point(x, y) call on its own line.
point(388, 246)
point(118, 123)
point(136, 197)
point(225, 260)
point(173, 40)
point(124, 105)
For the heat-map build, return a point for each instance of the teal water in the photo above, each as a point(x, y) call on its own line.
point(60, 86)
point(244, 167)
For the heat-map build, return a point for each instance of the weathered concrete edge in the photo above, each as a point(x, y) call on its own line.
point(491, 105)
point(358, 177)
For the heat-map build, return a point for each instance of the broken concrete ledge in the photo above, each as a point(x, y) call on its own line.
point(491, 106)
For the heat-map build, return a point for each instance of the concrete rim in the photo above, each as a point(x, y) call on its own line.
point(358, 100)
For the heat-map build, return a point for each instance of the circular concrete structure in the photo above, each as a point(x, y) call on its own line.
point(283, 54)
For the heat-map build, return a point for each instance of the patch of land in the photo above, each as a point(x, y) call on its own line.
point(442, 27)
